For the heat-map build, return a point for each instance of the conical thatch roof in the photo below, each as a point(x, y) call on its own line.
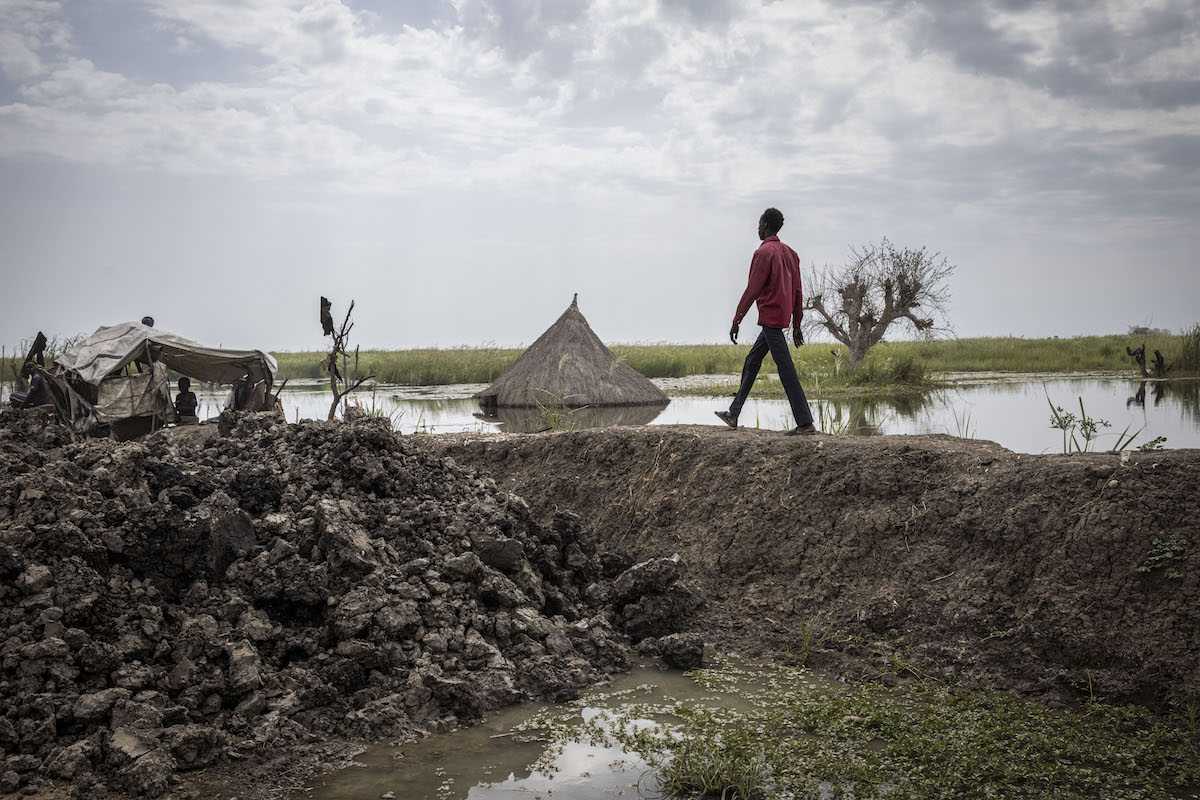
point(569, 366)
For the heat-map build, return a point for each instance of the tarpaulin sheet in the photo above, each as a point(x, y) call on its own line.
point(107, 351)
point(143, 395)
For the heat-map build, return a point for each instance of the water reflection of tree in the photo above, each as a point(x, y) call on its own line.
point(1139, 397)
point(1184, 393)
point(866, 415)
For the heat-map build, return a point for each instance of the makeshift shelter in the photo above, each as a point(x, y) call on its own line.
point(568, 366)
point(90, 386)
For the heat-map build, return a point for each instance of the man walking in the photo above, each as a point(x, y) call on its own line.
point(775, 285)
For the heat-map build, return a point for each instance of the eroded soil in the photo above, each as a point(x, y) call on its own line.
point(900, 556)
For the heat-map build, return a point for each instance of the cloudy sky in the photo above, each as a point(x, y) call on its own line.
point(461, 167)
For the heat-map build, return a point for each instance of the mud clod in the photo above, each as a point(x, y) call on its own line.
point(650, 600)
point(170, 601)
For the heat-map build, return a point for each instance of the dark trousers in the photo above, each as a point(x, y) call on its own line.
point(773, 341)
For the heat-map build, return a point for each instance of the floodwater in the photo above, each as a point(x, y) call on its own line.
point(1012, 410)
point(500, 759)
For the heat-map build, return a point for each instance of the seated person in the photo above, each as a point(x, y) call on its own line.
point(37, 394)
point(185, 402)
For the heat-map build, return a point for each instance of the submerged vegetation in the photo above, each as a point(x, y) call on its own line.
point(888, 363)
point(777, 734)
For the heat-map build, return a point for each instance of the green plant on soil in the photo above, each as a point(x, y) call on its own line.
point(1165, 554)
point(781, 736)
point(1089, 684)
point(1088, 428)
point(1154, 444)
point(810, 637)
point(378, 409)
point(1188, 715)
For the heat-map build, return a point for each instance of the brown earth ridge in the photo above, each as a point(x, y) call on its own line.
point(1054, 575)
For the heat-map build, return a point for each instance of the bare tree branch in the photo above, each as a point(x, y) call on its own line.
point(338, 351)
point(879, 287)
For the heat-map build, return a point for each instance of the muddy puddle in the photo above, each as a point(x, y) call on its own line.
point(791, 733)
point(514, 754)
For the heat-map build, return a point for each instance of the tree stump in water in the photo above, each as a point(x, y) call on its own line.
point(1139, 356)
point(1161, 367)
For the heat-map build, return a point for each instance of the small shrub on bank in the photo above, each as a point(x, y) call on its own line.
point(901, 369)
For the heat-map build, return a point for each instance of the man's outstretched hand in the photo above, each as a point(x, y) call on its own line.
point(733, 332)
point(797, 336)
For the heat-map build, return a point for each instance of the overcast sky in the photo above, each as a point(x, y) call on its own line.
point(461, 167)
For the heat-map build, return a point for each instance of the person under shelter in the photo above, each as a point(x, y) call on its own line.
point(185, 402)
point(37, 394)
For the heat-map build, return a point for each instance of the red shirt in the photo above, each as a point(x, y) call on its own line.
point(775, 283)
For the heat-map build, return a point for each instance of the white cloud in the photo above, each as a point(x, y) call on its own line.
point(523, 93)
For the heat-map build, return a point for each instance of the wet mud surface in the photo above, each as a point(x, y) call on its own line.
point(893, 558)
point(220, 613)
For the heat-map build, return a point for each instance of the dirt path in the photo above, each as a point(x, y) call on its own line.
point(1048, 574)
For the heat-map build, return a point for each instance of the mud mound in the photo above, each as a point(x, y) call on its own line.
point(1041, 573)
point(167, 603)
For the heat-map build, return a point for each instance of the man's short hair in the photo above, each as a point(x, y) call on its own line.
point(772, 219)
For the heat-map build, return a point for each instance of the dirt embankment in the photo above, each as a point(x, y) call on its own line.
point(188, 600)
point(1045, 574)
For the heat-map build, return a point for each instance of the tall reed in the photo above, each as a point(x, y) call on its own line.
point(1189, 350)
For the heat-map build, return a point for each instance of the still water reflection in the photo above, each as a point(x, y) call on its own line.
point(499, 758)
point(1014, 411)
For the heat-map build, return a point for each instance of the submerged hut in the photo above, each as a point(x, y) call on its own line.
point(569, 366)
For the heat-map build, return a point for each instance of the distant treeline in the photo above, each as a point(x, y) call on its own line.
point(908, 361)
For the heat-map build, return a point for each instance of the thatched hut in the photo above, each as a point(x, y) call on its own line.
point(569, 366)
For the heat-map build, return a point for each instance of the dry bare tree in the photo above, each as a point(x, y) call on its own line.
point(339, 383)
point(881, 286)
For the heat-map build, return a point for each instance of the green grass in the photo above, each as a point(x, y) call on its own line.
point(895, 362)
point(781, 736)
point(887, 364)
